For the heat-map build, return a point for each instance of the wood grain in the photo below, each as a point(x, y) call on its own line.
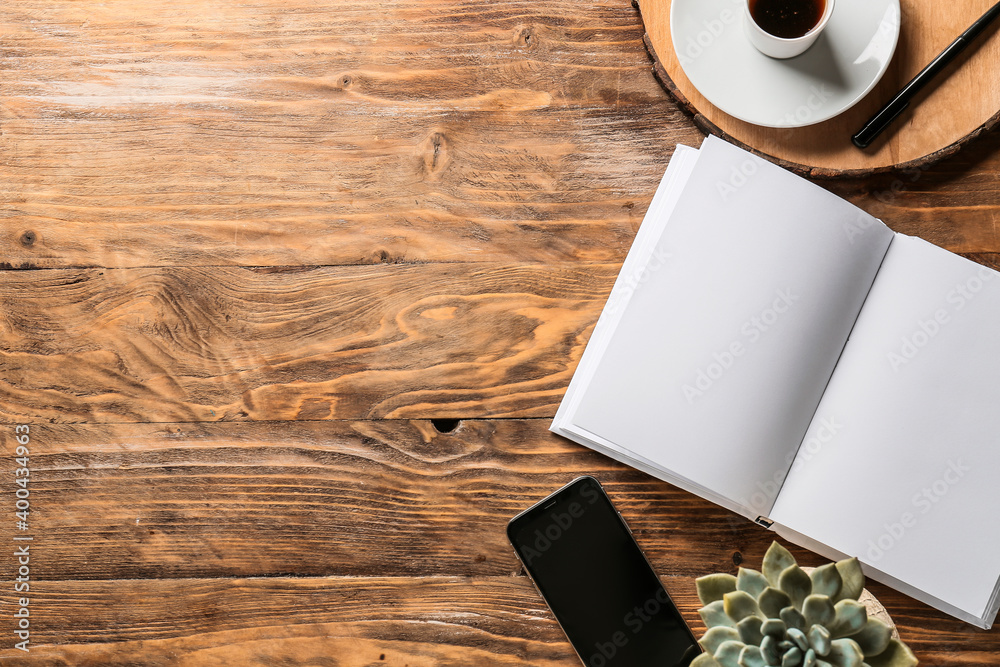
point(302, 133)
point(337, 621)
point(136, 134)
point(210, 344)
point(960, 106)
point(318, 499)
point(253, 254)
point(231, 344)
point(223, 512)
point(349, 621)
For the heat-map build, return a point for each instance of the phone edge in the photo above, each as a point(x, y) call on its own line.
point(534, 583)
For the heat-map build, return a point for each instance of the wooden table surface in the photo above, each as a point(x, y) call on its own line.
point(290, 293)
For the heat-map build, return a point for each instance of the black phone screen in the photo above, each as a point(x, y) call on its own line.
point(598, 583)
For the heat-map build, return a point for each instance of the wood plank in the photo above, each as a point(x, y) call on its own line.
point(339, 621)
point(536, 134)
point(132, 501)
point(215, 343)
point(358, 621)
point(136, 505)
point(286, 132)
point(227, 343)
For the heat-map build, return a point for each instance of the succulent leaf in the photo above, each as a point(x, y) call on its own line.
point(776, 560)
point(770, 650)
point(704, 660)
point(750, 632)
point(798, 638)
point(751, 657)
point(897, 654)
point(716, 637)
point(739, 605)
point(793, 618)
point(818, 610)
point(784, 617)
point(852, 580)
point(751, 581)
point(714, 615)
point(792, 658)
point(873, 638)
point(851, 617)
point(728, 654)
point(826, 580)
point(796, 584)
point(775, 627)
point(772, 601)
point(819, 640)
point(845, 653)
point(714, 587)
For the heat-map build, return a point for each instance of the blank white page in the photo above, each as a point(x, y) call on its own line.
point(723, 350)
point(902, 465)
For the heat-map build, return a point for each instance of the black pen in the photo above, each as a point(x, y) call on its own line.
point(898, 104)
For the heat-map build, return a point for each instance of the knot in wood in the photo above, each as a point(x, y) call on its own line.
point(436, 154)
point(526, 39)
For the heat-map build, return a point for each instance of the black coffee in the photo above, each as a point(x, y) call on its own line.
point(787, 18)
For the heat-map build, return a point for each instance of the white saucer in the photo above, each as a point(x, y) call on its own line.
point(844, 64)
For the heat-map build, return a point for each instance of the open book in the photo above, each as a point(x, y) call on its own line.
point(772, 348)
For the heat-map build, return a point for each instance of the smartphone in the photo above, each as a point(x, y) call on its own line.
point(602, 590)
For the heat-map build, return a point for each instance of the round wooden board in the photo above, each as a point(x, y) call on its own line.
point(958, 106)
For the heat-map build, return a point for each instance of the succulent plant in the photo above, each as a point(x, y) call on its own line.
point(784, 617)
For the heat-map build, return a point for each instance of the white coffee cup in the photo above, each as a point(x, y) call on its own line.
point(780, 47)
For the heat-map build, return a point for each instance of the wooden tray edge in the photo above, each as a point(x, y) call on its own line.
point(708, 127)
